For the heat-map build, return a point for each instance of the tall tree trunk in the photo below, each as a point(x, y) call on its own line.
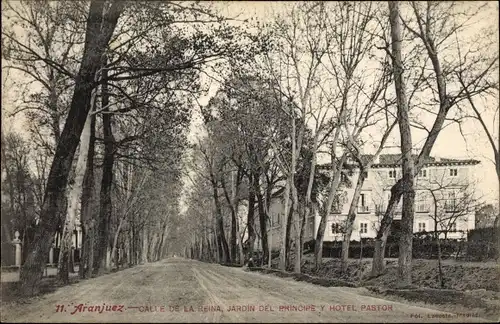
point(296, 222)
point(221, 237)
point(152, 246)
point(210, 248)
point(132, 241)
point(303, 223)
point(126, 248)
point(284, 227)
point(115, 240)
point(204, 246)
point(233, 206)
point(87, 216)
point(251, 216)
point(262, 216)
point(144, 249)
point(216, 243)
point(10, 182)
point(438, 243)
point(97, 36)
point(334, 184)
point(206, 239)
point(288, 236)
point(163, 240)
point(65, 252)
point(351, 216)
point(269, 218)
point(378, 264)
point(105, 208)
point(406, 241)
point(234, 238)
point(236, 182)
point(308, 203)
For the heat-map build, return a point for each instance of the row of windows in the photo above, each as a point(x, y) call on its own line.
point(339, 229)
point(423, 173)
point(393, 174)
point(451, 227)
point(449, 201)
point(363, 228)
point(339, 202)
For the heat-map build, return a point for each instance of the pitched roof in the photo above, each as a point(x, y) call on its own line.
point(395, 160)
point(387, 160)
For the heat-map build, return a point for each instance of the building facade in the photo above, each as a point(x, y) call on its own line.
point(444, 201)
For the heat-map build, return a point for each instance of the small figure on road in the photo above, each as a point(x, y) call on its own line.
point(250, 263)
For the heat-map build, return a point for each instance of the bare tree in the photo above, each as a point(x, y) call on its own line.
point(296, 71)
point(437, 28)
point(450, 206)
point(98, 34)
point(405, 246)
point(490, 132)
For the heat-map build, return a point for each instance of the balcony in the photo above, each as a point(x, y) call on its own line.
point(363, 209)
point(422, 208)
point(450, 206)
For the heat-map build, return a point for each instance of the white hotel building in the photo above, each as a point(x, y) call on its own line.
point(445, 181)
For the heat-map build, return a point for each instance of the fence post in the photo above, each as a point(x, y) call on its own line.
point(17, 242)
point(51, 255)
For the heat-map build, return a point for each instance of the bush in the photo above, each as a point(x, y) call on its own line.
point(423, 248)
point(488, 234)
point(481, 251)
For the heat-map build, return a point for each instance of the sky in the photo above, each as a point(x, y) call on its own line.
point(450, 142)
point(473, 144)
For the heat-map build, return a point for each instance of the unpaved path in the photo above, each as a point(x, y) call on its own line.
point(179, 290)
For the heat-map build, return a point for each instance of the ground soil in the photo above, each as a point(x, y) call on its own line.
point(212, 293)
point(472, 287)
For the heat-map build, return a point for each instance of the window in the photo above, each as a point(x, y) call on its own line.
point(421, 203)
point(422, 174)
point(453, 227)
point(311, 228)
point(392, 174)
point(363, 228)
point(276, 219)
point(450, 205)
point(339, 201)
point(421, 227)
point(453, 172)
point(362, 205)
point(337, 228)
point(336, 206)
point(365, 174)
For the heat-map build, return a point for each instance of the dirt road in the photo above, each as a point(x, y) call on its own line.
point(178, 290)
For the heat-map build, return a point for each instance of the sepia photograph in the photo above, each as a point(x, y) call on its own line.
point(250, 161)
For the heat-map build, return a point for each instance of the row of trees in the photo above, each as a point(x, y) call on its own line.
point(336, 81)
point(106, 89)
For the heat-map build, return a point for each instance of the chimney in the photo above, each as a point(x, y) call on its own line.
point(376, 159)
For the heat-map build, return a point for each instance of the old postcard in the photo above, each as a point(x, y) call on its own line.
point(248, 162)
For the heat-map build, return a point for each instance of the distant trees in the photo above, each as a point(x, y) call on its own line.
point(449, 207)
point(143, 77)
point(19, 205)
point(113, 100)
point(486, 216)
point(335, 44)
